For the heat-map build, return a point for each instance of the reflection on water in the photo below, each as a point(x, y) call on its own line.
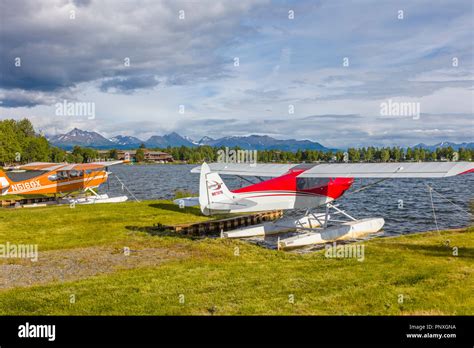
point(382, 200)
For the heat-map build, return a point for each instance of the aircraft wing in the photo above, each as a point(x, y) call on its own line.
point(45, 166)
point(388, 170)
point(348, 170)
point(108, 163)
point(245, 169)
point(37, 166)
point(91, 165)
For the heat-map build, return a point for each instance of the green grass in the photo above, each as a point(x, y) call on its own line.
point(257, 281)
point(86, 225)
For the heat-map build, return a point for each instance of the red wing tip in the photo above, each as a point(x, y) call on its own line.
point(467, 171)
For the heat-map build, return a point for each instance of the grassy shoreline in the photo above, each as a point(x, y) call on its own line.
point(219, 276)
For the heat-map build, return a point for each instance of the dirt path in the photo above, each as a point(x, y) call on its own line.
point(79, 263)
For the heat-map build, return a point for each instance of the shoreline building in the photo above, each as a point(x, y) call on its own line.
point(149, 155)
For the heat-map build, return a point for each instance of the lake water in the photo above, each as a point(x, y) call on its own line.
point(381, 200)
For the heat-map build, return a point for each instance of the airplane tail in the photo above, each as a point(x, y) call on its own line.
point(213, 193)
point(4, 182)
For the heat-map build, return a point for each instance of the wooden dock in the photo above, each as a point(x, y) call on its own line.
point(18, 202)
point(215, 227)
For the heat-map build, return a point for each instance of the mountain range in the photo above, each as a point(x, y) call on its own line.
point(252, 142)
point(446, 144)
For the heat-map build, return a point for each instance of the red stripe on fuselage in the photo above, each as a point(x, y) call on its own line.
point(334, 188)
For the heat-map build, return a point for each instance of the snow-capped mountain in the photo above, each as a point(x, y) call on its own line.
point(81, 138)
point(445, 144)
point(191, 140)
point(206, 141)
point(172, 139)
point(126, 140)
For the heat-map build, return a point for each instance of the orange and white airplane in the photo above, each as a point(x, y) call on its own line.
point(58, 179)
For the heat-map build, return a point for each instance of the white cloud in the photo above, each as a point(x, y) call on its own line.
point(190, 62)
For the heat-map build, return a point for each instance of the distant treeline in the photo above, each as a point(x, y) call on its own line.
point(20, 144)
point(365, 154)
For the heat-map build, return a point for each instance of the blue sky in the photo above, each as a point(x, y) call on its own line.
point(283, 62)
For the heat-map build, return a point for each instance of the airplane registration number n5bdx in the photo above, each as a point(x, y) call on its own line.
point(26, 186)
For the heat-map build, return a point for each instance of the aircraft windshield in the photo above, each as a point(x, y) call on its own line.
point(310, 183)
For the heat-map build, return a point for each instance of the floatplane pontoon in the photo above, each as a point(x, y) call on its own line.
point(303, 186)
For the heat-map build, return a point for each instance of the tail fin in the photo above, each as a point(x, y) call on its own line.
point(4, 182)
point(213, 193)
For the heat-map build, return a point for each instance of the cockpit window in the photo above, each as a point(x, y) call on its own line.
point(66, 174)
point(76, 173)
point(58, 176)
point(63, 175)
point(311, 183)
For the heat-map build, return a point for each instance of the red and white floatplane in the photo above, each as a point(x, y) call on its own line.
point(303, 186)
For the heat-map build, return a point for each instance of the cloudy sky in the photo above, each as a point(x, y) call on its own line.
point(317, 70)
